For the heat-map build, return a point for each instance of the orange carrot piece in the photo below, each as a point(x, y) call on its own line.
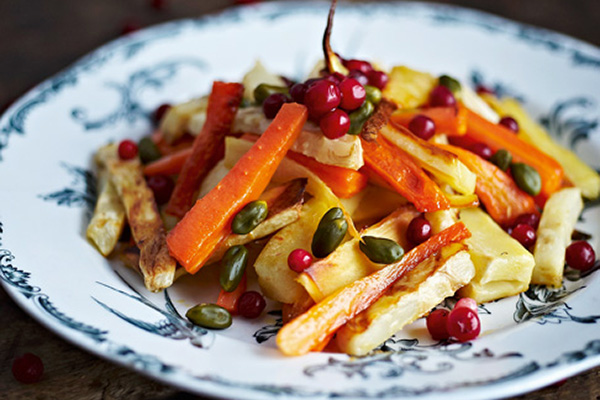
point(170, 164)
point(229, 300)
point(311, 329)
point(449, 120)
point(499, 137)
point(195, 237)
point(503, 199)
point(208, 147)
point(343, 182)
point(398, 170)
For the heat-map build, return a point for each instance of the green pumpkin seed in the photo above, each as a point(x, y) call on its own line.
point(502, 159)
point(450, 83)
point(359, 117)
point(249, 217)
point(330, 233)
point(148, 150)
point(209, 316)
point(527, 178)
point(381, 250)
point(264, 90)
point(373, 94)
point(332, 214)
point(233, 266)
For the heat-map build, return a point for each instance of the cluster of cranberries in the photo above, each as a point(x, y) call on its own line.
point(524, 229)
point(331, 99)
point(462, 323)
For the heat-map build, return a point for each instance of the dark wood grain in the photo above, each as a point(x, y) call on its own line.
point(38, 38)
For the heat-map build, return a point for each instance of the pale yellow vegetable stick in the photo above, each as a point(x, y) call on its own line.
point(108, 219)
point(554, 235)
point(409, 88)
point(503, 267)
point(156, 264)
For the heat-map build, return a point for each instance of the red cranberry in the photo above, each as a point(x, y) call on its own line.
point(28, 368)
point(312, 81)
point(524, 234)
point(466, 302)
point(580, 255)
point(422, 126)
point(481, 89)
point(437, 324)
point(418, 231)
point(297, 92)
point(510, 123)
point(353, 94)
point(162, 187)
point(482, 150)
point(441, 96)
point(463, 324)
point(251, 304)
point(160, 112)
point(335, 124)
point(378, 79)
point(299, 260)
point(530, 219)
point(273, 103)
point(335, 78)
point(128, 149)
point(322, 97)
point(359, 76)
point(359, 65)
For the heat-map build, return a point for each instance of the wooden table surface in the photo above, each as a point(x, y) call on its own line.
point(40, 37)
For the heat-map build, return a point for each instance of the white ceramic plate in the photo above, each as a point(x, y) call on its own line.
point(48, 137)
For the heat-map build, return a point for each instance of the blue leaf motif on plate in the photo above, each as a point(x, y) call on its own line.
point(268, 331)
point(567, 122)
point(130, 108)
point(80, 193)
point(548, 305)
point(395, 357)
point(174, 326)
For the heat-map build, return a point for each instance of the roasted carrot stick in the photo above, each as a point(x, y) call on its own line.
point(208, 147)
point(498, 137)
point(344, 182)
point(503, 199)
point(229, 300)
point(195, 237)
point(449, 120)
point(311, 329)
point(398, 170)
point(170, 164)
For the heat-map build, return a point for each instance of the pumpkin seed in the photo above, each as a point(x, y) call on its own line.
point(381, 250)
point(209, 316)
point(249, 217)
point(233, 266)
